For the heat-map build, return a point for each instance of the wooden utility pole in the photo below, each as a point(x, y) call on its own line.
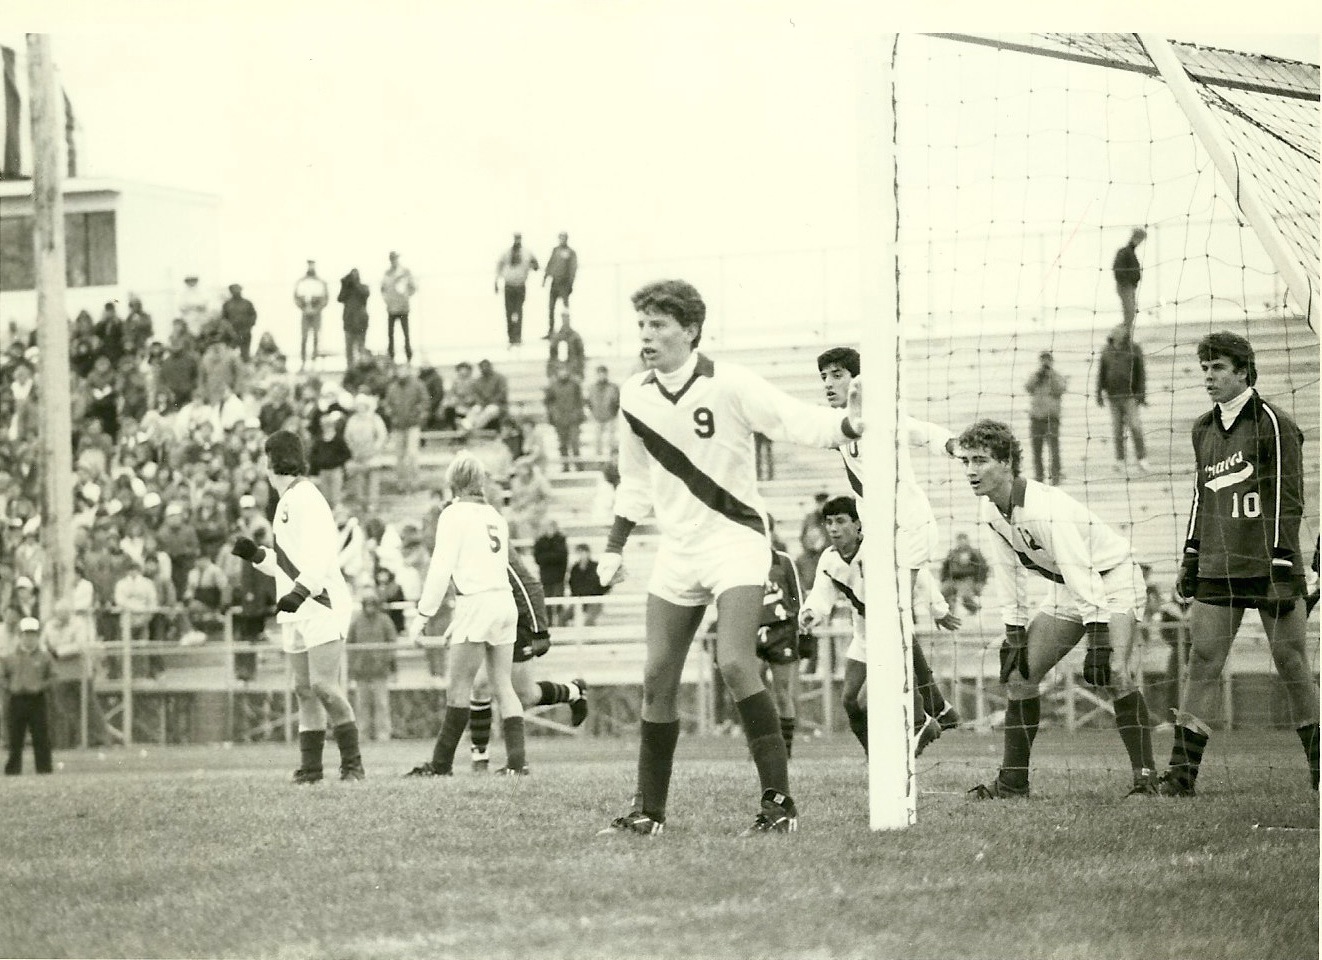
point(52, 324)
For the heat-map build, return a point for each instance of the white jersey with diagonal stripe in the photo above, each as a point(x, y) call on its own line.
point(305, 549)
point(688, 459)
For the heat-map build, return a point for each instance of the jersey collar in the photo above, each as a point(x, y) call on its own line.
point(702, 367)
point(1228, 411)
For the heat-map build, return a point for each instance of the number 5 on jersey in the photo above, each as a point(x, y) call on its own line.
point(493, 537)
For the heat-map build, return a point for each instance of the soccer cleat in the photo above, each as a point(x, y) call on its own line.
point(778, 815)
point(429, 769)
point(998, 789)
point(634, 821)
point(578, 709)
point(929, 731)
point(481, 762)
point(948, 718)
point(304, 776)
point(353, 771)
point(1145, 785)
point(1169, 785)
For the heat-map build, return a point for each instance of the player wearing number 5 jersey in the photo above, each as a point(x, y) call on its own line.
point(1095, 591)
point(472, 552)
point(686, 455)
point(314, 606)
point(1241, 551)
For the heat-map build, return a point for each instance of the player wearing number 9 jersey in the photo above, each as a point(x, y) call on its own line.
point(1241, 551)
point(687, 456)
point(472, 551)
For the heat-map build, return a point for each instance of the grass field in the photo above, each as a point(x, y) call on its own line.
point(206, 851)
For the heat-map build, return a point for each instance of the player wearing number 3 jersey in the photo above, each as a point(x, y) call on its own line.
point(1241, 551)
point(686, 456)
point(472, 551)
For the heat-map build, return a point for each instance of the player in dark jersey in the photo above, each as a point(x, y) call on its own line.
point(778, 640)
point(1241, 552)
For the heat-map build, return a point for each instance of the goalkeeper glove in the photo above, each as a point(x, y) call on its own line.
point(1187, 584)
point(608, 569)
point(292, 600)
point(1014, 652)
point(245, 549)
point(807, 646)
point(854, 409)
point(1097, 661)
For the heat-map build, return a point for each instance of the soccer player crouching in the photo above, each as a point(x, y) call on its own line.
point(840, 576)
point(1096, 592)
point(1242, 551)
point(687, 455)
point(314, 609)
point(472, 551)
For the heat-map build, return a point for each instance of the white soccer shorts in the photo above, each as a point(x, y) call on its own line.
point(1125, 593)
point(695, 575)
point(488, 617)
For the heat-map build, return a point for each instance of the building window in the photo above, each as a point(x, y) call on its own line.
point(90, 253)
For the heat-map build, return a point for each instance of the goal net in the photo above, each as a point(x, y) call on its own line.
point(1022, 166)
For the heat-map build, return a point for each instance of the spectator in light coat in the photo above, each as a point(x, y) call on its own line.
point(564, 411)
point(405, 409)
point(366, 435)
point(603, 399)
point(1045, 388)
point(370, 669)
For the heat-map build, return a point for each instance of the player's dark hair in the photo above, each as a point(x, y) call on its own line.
point(997, 439)
point(1234, 348)
point(843, 506)
point(284, 454)
point(675, 298)
point(846, 357)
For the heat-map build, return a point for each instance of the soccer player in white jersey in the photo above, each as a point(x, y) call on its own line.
point(840, 576)
point(916, 529)
point(314, 609)
point(1096, 592)
point(472, 551)
point(686, 454)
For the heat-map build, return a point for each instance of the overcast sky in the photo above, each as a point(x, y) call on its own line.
point(649, 131)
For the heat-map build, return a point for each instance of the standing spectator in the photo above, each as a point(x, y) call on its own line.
point(27, 673)
point(354, 294)
point(492, 393)
point(207, 596)
point(566, 350)
point(370, 670)
point(241, 315)
point(138, 328)
point(397, 287)
point(254, 596)
point(561, 269)
point(110, 331)
point(530, 497)
point(1122, 380)
point(176, 376)
point(179, 541)
point(1128, 272)
point(194, 306)
point(328, 452)
point(603, 401)
point(963, 574)
point(84, 345)
point(550, 552)
point(277, 411)
point(513, 267)
point(219, 373)
point(24, 420)
point(366, 436)
point(564, 411)
point(136, 601)
point(406, 408)
point(311, 297)
point(1045, 388)
point(584, 582)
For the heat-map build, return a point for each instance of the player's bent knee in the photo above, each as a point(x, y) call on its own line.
point(1020, 688)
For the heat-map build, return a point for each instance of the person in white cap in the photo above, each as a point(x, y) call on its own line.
point(26, 674)
point(314, 606)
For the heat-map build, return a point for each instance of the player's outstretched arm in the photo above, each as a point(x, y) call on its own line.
point(775, 414)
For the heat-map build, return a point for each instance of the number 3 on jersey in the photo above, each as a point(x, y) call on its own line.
point(493, 537)
point(704, 424)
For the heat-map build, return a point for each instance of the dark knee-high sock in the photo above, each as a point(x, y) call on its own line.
point(452, 728)
point(1131, 719)
point(787, 725)
point(762, 728)
point(346, 738)
point(515, 753)
point(1187, 755)
point(479, 723)
point(656, 757)
point(310, 744)
point(858, 722)
point(1021, 720)
point(1308, 736)
point(553, 693)
point(933, 701)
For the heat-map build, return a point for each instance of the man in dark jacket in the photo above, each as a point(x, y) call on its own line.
point(550, 552)
point(1128, 272)
point(1122, 381)
point(241, 315)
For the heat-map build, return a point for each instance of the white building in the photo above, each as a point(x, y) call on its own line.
point(120, 238)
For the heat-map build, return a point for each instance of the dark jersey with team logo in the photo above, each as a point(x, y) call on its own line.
point(780, 602)
point(1248, 493)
